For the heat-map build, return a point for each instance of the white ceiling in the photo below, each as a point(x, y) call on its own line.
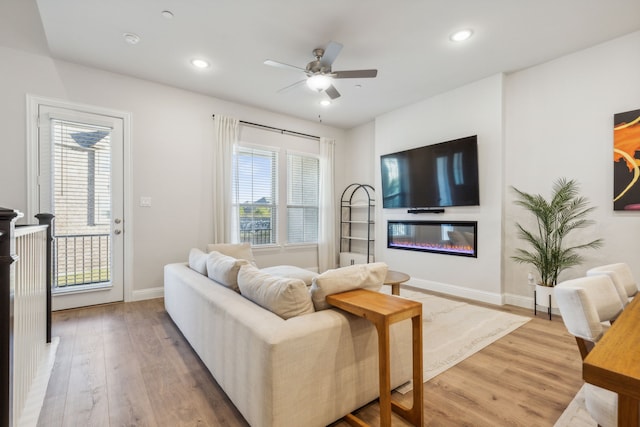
point(406, 40)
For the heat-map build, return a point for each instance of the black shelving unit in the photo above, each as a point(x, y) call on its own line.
point(357, 204)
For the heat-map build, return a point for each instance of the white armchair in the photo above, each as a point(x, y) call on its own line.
point(622, 278)
point(588, 305)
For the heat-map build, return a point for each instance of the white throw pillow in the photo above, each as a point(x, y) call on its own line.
point(367, 276)
point(283, 296)
point(198, 261)
point(292, 272)
point(235, 250)
point(224, 269)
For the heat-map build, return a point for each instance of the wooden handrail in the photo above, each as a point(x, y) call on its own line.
point(8, 256)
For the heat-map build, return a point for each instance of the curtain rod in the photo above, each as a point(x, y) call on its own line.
point(274, 129)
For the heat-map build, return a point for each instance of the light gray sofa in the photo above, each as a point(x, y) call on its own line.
point(308, 370)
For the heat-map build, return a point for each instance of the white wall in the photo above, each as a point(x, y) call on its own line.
point(172, 139)
point(358, 159)
point(559, 120)
point(475, 109)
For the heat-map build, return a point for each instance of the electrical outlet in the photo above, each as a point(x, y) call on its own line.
point(145, 201)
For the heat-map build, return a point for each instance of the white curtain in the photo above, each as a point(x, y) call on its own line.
point(327, 212)
point(224, 220)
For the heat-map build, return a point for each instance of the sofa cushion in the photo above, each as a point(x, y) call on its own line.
point(234, 250)
point(367, 276)
point(224, 269)
point(198, 261)
point(292, 272)
point(286, 297)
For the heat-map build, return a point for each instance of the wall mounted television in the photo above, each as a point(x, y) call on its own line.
point(432, 176)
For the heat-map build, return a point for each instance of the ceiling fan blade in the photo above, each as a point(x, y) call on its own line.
point(330, 53)
point(291, 86)
point(332, 92)
point(354, 74)
point(273, 63)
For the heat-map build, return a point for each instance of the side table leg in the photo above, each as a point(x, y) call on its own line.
point(415, 414)
point(384, 374)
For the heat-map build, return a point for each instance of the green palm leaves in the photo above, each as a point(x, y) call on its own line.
point(556, 218)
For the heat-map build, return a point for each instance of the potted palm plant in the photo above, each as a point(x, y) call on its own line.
point(549, 252)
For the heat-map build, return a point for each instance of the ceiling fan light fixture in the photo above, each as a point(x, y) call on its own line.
point(319, 82)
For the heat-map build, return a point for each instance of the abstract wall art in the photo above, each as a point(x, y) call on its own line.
point(626, 161)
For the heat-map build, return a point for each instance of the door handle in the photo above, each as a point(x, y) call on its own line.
point(117, 220)
point(116, 232)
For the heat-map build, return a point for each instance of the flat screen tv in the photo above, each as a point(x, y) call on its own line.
point(433, 176)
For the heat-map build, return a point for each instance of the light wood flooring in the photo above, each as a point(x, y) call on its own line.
point(126, 364)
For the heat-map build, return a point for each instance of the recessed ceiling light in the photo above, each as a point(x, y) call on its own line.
point(325, 102)
point(131, 38)
point(460, 36)
point(167, 14)
point(199, 63)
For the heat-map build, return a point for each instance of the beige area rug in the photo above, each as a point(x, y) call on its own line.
point(576, 414)
point(454, 330)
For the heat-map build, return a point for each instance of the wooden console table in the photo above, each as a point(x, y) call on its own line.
point(383, 310)
point(614, 363)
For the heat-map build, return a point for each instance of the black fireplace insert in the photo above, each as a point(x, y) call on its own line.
point(442, 237)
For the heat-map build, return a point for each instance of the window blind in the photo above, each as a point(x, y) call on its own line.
point(82, 176)
point(255, 194)
point(302, 198)
point(81, 200)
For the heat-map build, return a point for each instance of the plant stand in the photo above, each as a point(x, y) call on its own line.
point(535, 304)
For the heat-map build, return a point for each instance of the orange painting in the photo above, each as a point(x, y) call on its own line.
point(626, 161)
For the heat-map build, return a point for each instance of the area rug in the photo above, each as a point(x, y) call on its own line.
point(576, 414)
point(454, 330)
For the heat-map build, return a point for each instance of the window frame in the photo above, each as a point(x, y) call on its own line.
point(281, 179)
point(275, 222)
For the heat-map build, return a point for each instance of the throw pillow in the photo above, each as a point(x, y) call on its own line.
point(224, 269)
point(367, 276)
point(235, 250)
point(198, 261)
point(292, 272)
point(283, 296)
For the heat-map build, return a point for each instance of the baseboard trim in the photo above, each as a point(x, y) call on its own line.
point(526, 302)
point(149, 293)
point(458, 291)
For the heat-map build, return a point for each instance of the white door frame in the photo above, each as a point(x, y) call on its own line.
point(32, 171)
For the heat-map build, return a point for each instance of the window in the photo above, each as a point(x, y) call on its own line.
point(255, 194)
point(302, 199)
point(257, 199)
point(81, 160)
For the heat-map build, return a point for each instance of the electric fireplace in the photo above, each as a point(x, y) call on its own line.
point(442, 237)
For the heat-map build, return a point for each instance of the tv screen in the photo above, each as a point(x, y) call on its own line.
point(438, 175)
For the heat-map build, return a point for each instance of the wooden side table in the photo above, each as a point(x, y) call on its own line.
point(395, 278)
point(383, 310)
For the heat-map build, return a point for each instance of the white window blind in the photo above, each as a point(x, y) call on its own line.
point(302, 198)
point(81, 200)
point(255, 194)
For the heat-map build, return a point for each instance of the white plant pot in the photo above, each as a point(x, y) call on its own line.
point(542, 296)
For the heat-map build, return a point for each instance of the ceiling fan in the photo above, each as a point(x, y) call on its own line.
point(319, 74)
